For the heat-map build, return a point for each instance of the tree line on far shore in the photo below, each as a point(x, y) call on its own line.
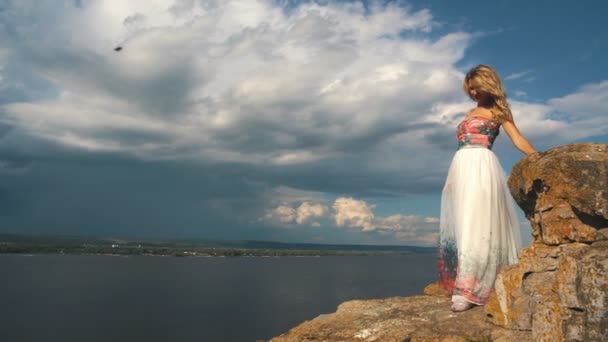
point(24, 248)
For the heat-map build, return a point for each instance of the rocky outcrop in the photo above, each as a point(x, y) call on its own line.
point(559, 288)
point(564, 193)
point(557, 292)
point(401, 319)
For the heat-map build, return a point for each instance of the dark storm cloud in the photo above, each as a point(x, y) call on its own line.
point(108, 194)
point(12, 204)
point(132, 136)
point(354, 177)
point(4, 129)
point(19, 82)
point(159, 93)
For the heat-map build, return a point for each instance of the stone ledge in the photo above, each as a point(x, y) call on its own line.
point(400, 319)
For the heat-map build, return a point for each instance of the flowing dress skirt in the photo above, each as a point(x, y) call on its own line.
point(479, 228)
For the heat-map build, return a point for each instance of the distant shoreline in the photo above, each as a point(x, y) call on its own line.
point(28, 244)
point(171, 256)
point(244, 253)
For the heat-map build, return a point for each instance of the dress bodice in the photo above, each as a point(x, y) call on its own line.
point(477, 131)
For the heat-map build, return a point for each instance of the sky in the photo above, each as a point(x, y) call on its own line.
point(294, 121)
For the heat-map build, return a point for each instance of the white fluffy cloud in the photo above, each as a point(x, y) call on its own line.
point(308, 211)
point(282, 214)
point(518, 75)
point(249, 81)
point(358, 215)
point(230, 80)
point(305, 213)
point(565, 119)
point(431, 220)
point(584, 110)
point(350, 212)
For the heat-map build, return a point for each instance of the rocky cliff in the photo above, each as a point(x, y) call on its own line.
point(559, 288)
point(557, 292)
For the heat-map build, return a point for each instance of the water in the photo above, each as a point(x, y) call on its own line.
point(112, 298)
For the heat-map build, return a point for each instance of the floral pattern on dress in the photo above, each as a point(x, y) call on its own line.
point(457, 281)
point(477, 131)
point(447, 264)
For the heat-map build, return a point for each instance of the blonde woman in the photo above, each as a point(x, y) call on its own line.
point(479, 229)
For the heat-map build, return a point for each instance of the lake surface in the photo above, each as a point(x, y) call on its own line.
point(117, 298)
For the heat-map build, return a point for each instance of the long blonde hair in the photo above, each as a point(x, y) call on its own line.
point(487, 80)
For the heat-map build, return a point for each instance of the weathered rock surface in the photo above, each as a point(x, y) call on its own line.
point(559, 288)
point(560, 293)
point(435, 290)
point(401, 319)
point(564, 192)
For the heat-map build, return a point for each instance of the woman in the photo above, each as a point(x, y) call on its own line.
point(479, 229)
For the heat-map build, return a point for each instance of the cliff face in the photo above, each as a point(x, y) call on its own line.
point(559, 288)
point(557, 292)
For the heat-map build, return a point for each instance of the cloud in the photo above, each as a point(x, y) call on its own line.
point(282, 214)
point(336, 88)
point(535, 121)
point(240, 81)
point(307, 211)
point(283, 194)
point(353, 213)
point(520, 93)
point(412, 228)
point(565, 119)
point(357, 215)
point(518, 75)
point(431, 220)
point(229, 81)
point(585, 104)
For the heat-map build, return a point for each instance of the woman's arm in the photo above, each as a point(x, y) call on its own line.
point(518, 140)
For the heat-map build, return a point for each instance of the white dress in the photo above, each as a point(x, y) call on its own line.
point(479, 228)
